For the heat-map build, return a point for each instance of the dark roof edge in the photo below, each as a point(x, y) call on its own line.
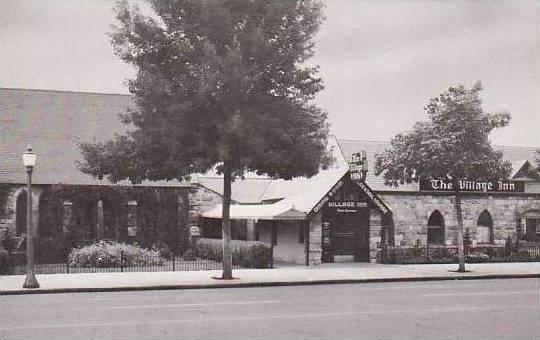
point(362, 140)
point(66, 91)
point(388, 143)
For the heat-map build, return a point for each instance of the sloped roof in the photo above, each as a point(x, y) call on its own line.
point(297, 195)
point(248, 190)
point(54, 123)
point(517, 155)
point(517, 166)
point(372, 148)
point(276, 211)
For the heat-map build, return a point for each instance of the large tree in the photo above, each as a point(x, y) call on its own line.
point(220, 84)
point(453, 144)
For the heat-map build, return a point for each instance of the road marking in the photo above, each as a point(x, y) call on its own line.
point(485, 293)
point(240, 318)
point(180, 305)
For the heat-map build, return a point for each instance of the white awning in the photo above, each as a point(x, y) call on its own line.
point(274, 211)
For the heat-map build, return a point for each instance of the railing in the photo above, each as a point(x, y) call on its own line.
point(449, 254)
point(16, 265)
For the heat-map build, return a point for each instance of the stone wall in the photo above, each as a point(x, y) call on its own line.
point(8, 221)
point(374, 234)
point(412, 211)
point(200, 200)
point(315, 239)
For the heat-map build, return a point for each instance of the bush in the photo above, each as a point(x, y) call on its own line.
point(51, 250)
point(105, 254)
point(189, 255)
point(248, 254)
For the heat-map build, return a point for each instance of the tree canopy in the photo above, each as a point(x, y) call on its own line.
point(453, 142)
point(220, 83)
point(217, 81)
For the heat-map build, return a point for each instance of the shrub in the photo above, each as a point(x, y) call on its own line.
point(104, 254)
point(248, 254)
point(189, 255)
point(51, 250)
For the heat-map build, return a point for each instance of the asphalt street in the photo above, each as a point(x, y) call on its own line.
point(476, 309)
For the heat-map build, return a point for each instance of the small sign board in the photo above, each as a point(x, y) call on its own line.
point(346, 206)
point(194, 231)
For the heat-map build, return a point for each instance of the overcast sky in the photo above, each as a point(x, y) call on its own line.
point(381, 61)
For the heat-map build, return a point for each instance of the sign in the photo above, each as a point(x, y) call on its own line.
point(358, 166)
point(373, 197)
point(194, 231)
point(346, 206)
point(326, 198)
point(471, 185)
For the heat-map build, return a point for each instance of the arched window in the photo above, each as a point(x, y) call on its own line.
point(435, 234)
point(20, 211)
point(387, 229)
point(484, 228)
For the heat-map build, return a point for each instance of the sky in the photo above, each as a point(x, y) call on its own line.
point(381, 61)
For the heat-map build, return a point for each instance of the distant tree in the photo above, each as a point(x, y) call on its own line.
point(220, 84)
point(453, 143)
point(538, 162)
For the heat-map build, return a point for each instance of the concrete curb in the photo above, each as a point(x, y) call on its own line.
point(268, 284)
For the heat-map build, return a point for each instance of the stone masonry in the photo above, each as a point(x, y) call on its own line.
point(412, 211)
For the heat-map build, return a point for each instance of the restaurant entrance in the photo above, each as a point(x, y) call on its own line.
point(346, 231)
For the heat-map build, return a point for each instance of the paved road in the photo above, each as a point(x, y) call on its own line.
point(479, 309)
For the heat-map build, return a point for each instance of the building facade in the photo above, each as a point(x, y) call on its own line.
point(66, 201)
point(351, 219)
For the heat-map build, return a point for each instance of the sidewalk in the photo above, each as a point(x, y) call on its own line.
point(281, 276)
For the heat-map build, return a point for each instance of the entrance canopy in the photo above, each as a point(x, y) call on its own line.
point(274, 211)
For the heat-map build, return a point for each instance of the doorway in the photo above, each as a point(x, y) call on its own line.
point(347, 235)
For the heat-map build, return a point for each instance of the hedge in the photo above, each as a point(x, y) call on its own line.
point(247, 254)
point(106, 254)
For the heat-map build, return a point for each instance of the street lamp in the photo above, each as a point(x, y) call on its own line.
point(29, 161)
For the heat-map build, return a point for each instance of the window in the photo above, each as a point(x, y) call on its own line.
point(387, 229)
point(302, 232)
point(484, 228)
point(435, 234)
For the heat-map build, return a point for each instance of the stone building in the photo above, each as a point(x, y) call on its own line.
point(332, 216)
point(63, 198)
point(335, 217)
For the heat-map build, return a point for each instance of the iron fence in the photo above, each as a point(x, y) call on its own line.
point(15, 264)
point(430, 254)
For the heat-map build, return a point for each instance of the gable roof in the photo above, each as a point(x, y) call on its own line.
point(516, 155)
point(248, 190)
point(297, 196)
point(54, 123)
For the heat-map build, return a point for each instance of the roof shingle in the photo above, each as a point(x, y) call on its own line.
point(54, 123)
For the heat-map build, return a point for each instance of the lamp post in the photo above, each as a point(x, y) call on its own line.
point(29, 161)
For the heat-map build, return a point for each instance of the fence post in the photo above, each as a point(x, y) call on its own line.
point(67, 266)
point(427, 253)
point(121, 261)
point(173, 262)
point(272, 256)
point(9, 263)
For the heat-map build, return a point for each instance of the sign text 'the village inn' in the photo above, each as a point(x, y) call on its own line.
point(471, 185)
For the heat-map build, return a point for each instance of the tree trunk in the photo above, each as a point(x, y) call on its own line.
point(459, 216)
point(226, 223)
